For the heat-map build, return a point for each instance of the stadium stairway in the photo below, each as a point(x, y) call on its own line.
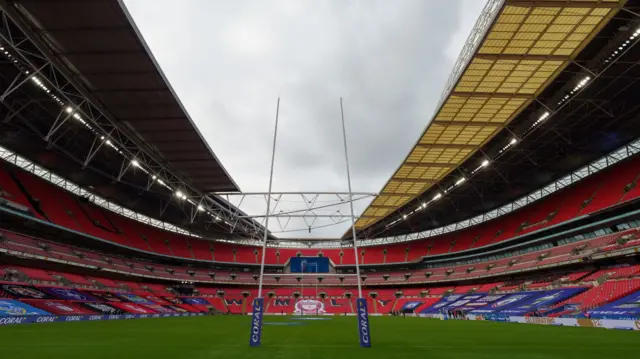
point(632, 190)
point(384, 304)
point(34, 202)
point(426, 303)
point(372, 305)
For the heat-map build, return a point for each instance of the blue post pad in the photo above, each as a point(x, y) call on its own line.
point(256, 322)
point(364, 331)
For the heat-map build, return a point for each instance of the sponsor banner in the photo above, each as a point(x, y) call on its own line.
point(105, 296)
point(467, 302)
point(177, 309)
point(134, 298)
point(491, 317)
point(481, 302)
point(59, 307)
point(442, 304)
point(24, 291)
point(506, 301)
point(133, 308)
point(79, 318)
point(159, 308)
point(103, 308)
point(411, 305)
point(157, 300)
point(546, 298)
point(69, 294)
point(189, 308)
point(628, 306)
point(173, 300)
point(194, 300)
point(364, 331)
point(256, 322)
point(430, 315)
point(10, 308)
point(568, 322)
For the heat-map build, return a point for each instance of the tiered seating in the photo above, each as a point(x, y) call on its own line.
point(10, 191)
point(281, 305)
point(383, 304)
point(573, 277)
point(585, 197)
point(485, 288)
point(35, 274)
point(625, 272)
point(464, 288)
point(24, 244)
point(237, 300)
point(611, 191)
point(411, 304)
point(338, 305)
point(605, 293)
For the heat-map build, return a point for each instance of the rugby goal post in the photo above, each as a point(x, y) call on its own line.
point(258, 307)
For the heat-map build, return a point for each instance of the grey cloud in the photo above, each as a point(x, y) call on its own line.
point(229, 61)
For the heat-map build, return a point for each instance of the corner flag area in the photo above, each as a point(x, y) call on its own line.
point(332, 337)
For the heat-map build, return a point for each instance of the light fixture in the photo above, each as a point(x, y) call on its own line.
point(484, 163)
point(135, 163)
point(513, 141)
point(69, 109)
point(179, 194)
point(200, 208)
point(460, 181)
point(437, 196)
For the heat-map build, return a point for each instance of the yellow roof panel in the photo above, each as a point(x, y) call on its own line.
point(528, 45)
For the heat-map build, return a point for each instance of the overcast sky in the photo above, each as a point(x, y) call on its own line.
point(229, 61)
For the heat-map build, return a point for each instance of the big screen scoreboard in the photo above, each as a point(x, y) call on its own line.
point(309, 265)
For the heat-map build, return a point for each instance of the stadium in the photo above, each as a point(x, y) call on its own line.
point(511, 228)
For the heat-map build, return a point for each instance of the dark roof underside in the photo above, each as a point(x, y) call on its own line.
point(99, 44)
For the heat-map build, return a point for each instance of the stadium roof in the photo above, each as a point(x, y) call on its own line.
point(99, 43)
point(84, 98)
point(527, 44)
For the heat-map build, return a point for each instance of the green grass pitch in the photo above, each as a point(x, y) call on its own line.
point(227, 337)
